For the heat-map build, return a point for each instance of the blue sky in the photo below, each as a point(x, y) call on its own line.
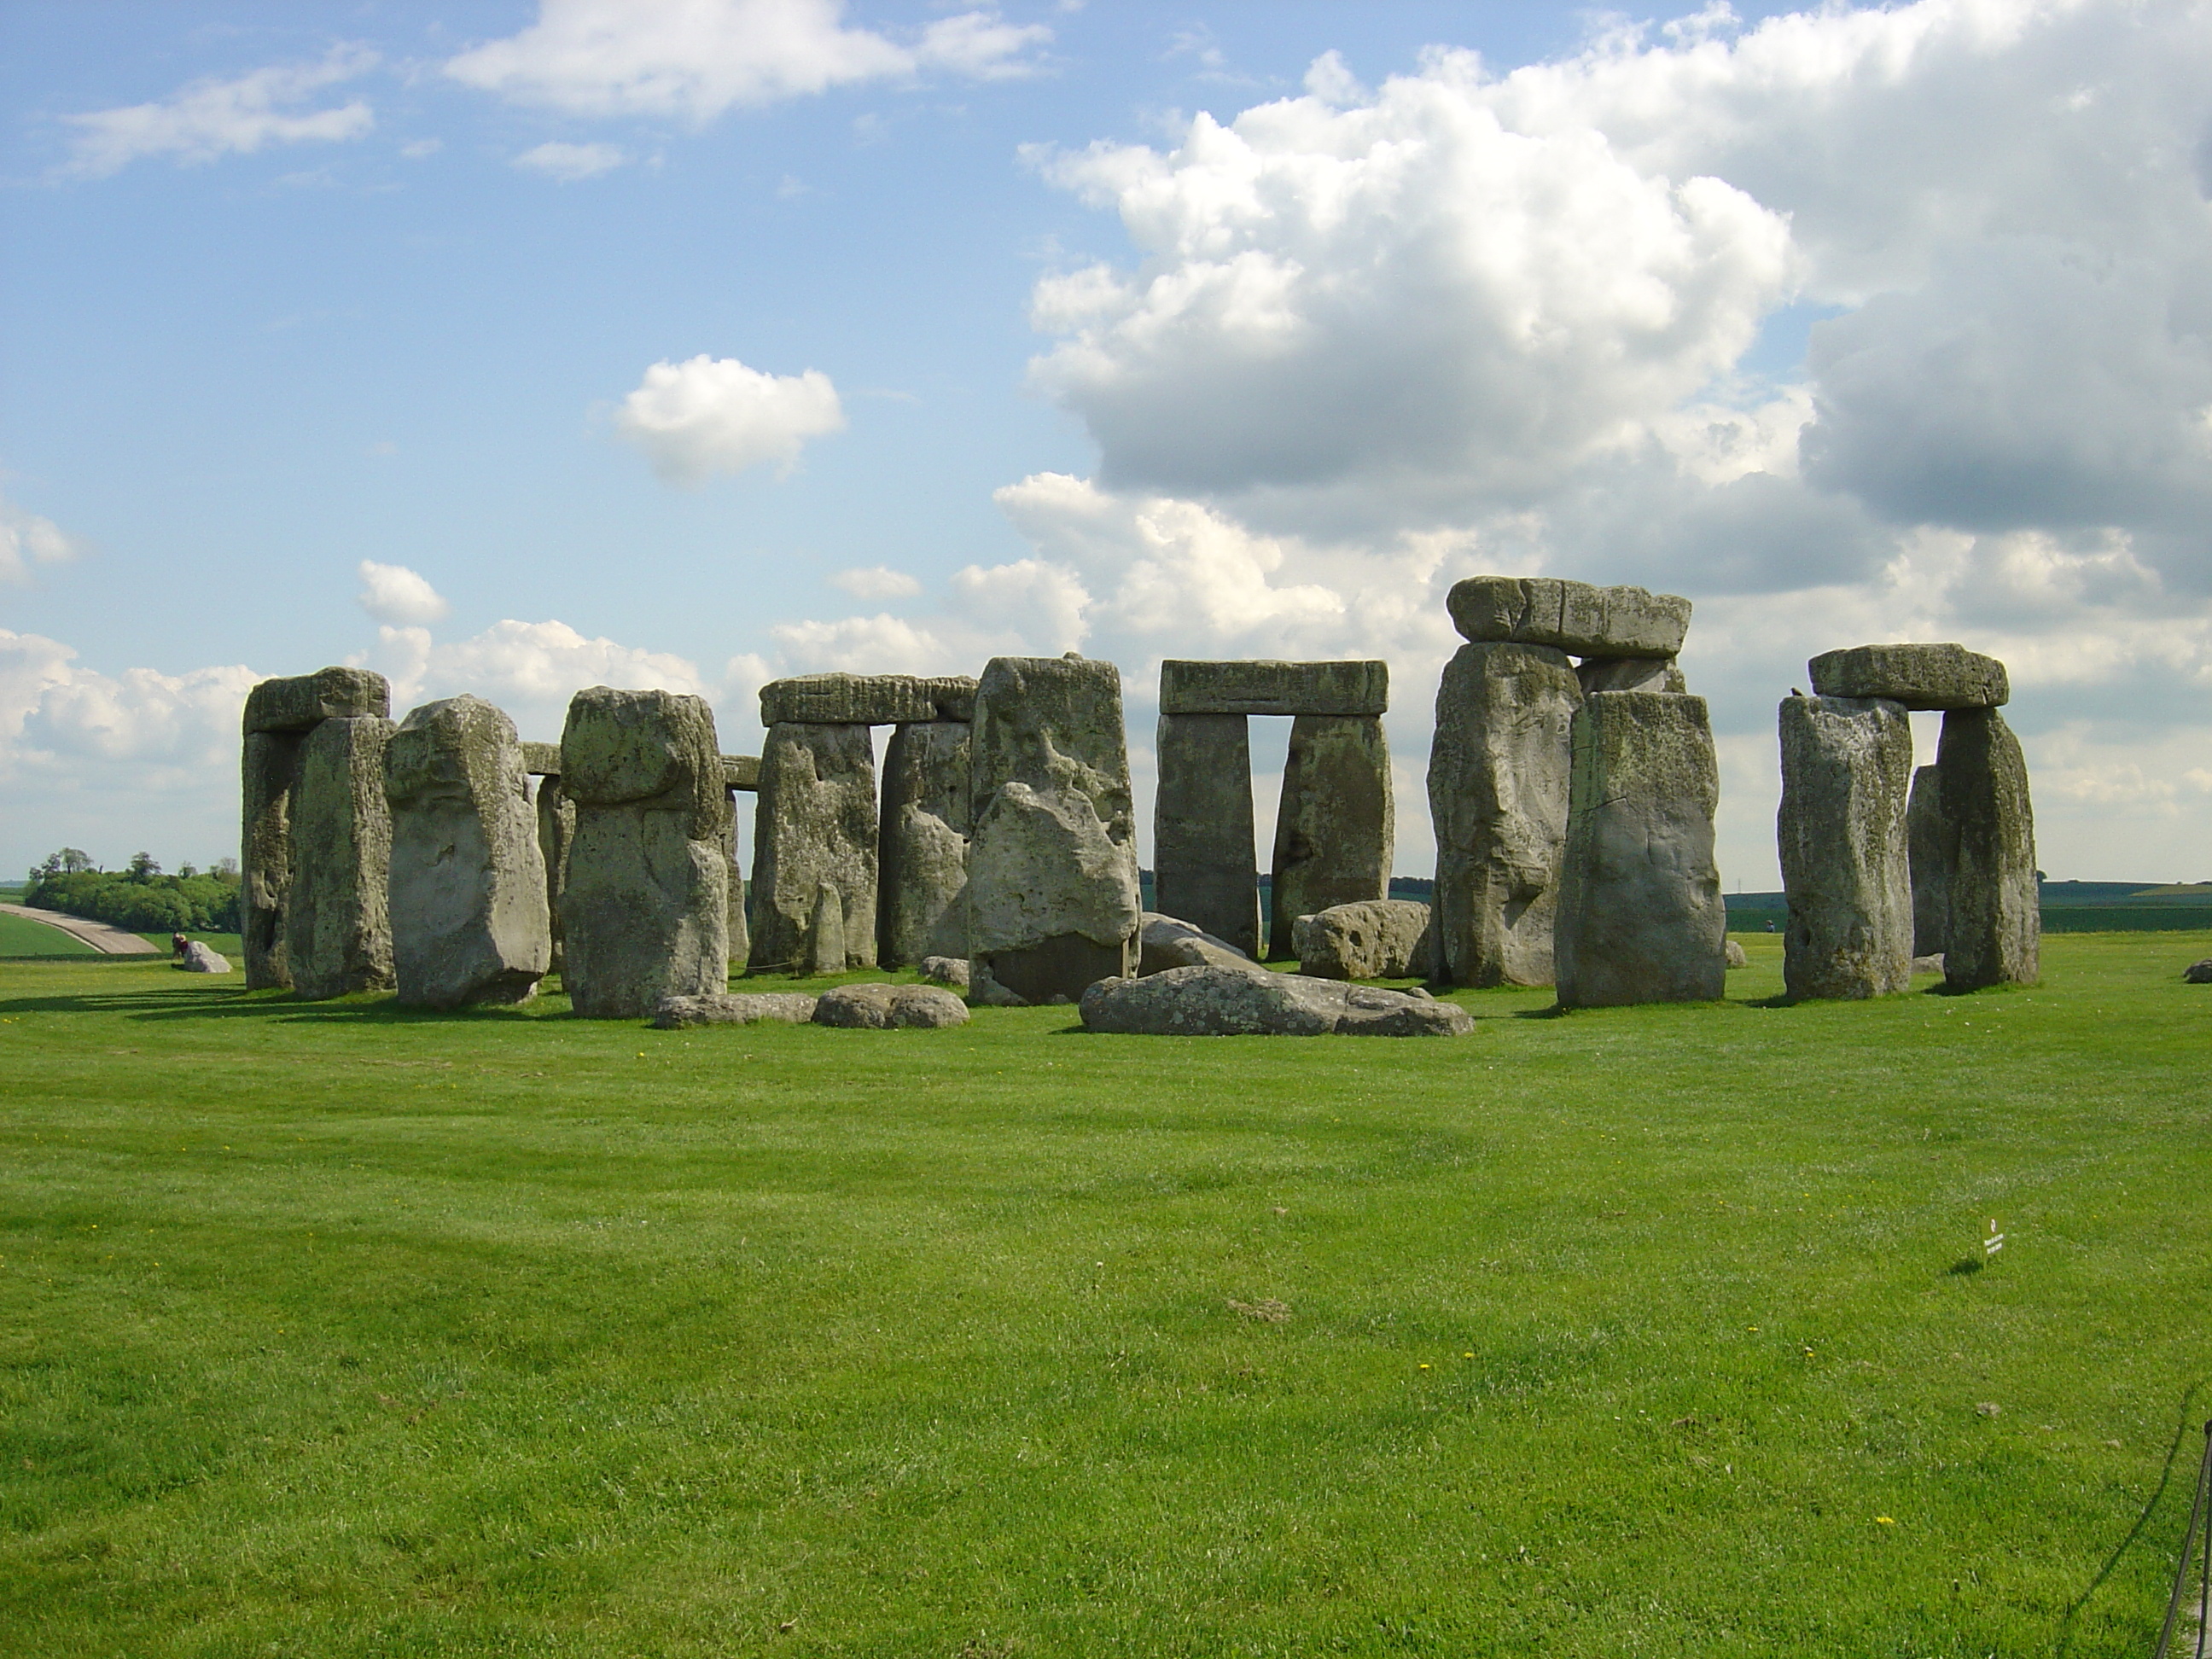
point(331, 331)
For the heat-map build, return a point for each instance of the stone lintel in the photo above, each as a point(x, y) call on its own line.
point(741, 771)
point(307, 700)
point(1575, 618)
point(866, 700)
point(1918, 676)
point(542, 760)
point(1262, 687)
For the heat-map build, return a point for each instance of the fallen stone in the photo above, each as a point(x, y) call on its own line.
point(1166, 942)
point(1993, 925)
point(1202, 826)
point(1640, 916)
point(1736, 956)
point(1571, 616)
point(1498, 769)
point(2197, 973)
point(646, 911)
point(865, 700)
point(1918, 676)
point(1336, 827)
point(307, 700)
point(1846, 772)
point(922, 881)
point(470, 920)
point(1382, 938)
point(1925, 853)
point(946, 971)
point(1254, 687)
point(1928, 964)
point(888, 1008)
point(200, 958)
point(1052, 866)
point(1239, 1002)
point(337, 930)
point(1630, 674)
point(542, 760)
point(815, 823)
point(724, 1008)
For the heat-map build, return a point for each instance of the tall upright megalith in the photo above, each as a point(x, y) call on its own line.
point(1336, 824)
point(470, 918)
point(740, 774)
point(646, 911)
point(1498, 771)
point(337, 935)
point(1931, 874)
point(280, 716)
point(1202, 830)
point(1052, 867)
point(1993, 919)
point(922, 858)
point(1640, 916)
point(1846, 775)
point(815, 824)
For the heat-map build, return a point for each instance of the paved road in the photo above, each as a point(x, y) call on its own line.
point(98, 934)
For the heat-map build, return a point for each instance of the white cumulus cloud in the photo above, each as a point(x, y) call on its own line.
point(877, 581)
point(713, 415)
point(570, 162)
point(695, 58)
point(212, 118)
point(393, 594)
point(27, 540)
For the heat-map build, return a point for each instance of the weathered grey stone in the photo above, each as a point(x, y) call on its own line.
point(337, 932)
point(469, 922)
point(740, 944)
point(815, 823)
point(866, 700)
point(742, 771)
point(922, 908)
point(1918, 675)
point(1499, 767)
point(889, 1007)
point(1382, 938)
point(2197, 973)
point(201, 958)
point(1202, 825)
point(1165, 942)
point(1052, 865)
point(1573, 616)
point(1336, 826)
point(1734, 954)
point(946, 971)
point(270, 763)
point(1993, 927)
point(825, 933)
point(725, 1008)
point(646, 911)
point(306, 700)
point(1630, 674)
point(1846, 773)
point(1257, 687)
point(1931, 964)
point(1640, 916)
point(1240, 1002)
point(1926, 853)
point(542, 760)
point(557, 828)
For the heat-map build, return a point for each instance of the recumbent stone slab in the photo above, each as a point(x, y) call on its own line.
point(1846, 773)
point(815, 826)
point(1571, 616)
point(1640, 916)
point(1993, 924)
point(1336, 824)
point(865, 700)
point(1263, 687)
point(1918, 675)
point(1383, 938)
point(1166, 942)
point(646, 911)
point(1216, 1001)
point(337, 932)
point(728, 1008)
point(889, 1007)
point(1202, 831)
point(922, 875)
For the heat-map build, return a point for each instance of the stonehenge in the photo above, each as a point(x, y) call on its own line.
point(471, 921)
point(1335, 825)
point(1383, 938)
point(315, 842)
point(1052, 863)
point(1846, 775)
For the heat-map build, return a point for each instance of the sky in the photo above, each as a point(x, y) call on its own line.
point(514, 348)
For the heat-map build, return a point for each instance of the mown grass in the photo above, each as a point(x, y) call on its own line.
point(20, 936)
point(336, 1330)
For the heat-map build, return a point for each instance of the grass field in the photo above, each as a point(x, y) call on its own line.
point(333, 1330)
point(21, 937)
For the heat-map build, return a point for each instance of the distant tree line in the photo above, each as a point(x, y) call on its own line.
point(138, 897)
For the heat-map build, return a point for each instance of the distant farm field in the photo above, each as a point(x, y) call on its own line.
point(333, 1330)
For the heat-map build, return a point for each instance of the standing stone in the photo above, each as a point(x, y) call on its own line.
point(1499, 771)
point(740, 944)
point(825, 936)
point(1993, 932)
point(923, 847)
point(1052, 868)
point(279, 714)
point(815, 824)
point(557, 828)
point(1640, 916)
point(1931, 874)
point(646, 910)
point(1846, 772)
point(469, 919)
point(1202, 836)
point(337, 930)
point(1336, 827)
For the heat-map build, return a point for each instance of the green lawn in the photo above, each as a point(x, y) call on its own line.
point(21, 937)
point(329, 1330)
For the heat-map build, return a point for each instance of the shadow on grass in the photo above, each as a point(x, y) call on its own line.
point(2188, 1419)
point(227, 1004)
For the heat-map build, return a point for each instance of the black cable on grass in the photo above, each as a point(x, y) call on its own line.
point(2165, 1475)
point(2181, 1571)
